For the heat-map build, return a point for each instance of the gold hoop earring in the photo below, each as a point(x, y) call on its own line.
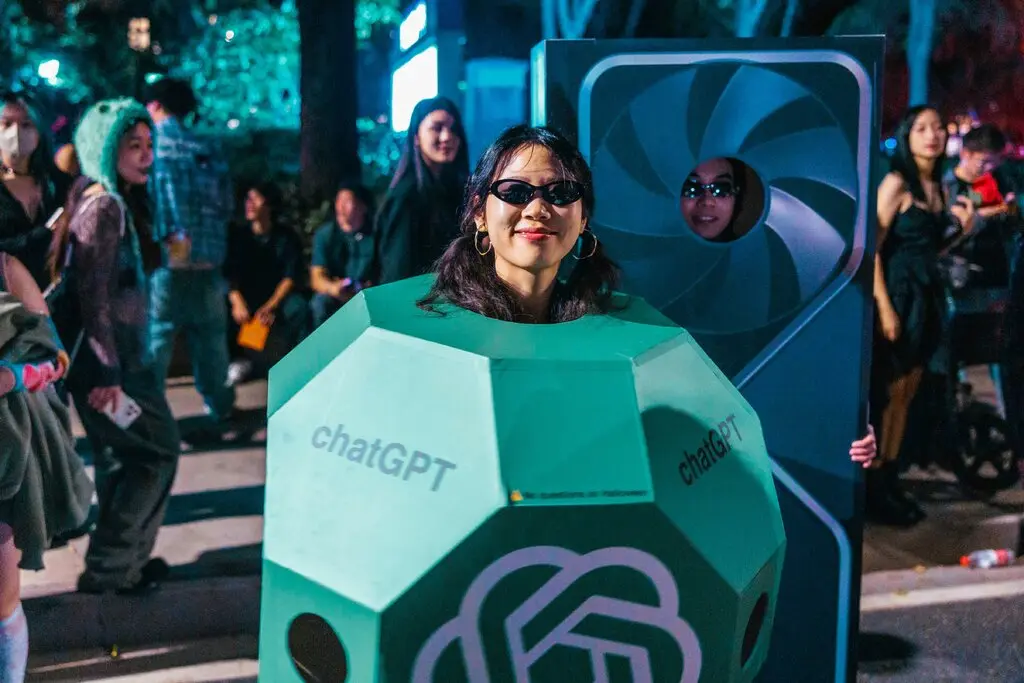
point(579, 245)
point(476, 242)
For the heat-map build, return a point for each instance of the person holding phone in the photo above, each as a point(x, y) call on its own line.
point(344, 262)
point(914, 229)
point(117, 391)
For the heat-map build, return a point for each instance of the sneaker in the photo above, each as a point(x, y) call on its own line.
point(238, 372)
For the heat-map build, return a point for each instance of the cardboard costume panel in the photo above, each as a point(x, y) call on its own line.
point(455, 499)
point(732, 183)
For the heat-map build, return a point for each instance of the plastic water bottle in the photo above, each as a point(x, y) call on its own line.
point(986, 559)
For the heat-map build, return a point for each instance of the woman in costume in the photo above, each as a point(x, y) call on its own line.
point(527, 208)
point(44, 489)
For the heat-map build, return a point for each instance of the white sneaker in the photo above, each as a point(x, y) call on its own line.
point(238, 372)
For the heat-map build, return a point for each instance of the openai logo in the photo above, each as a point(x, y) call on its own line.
point(464, 628)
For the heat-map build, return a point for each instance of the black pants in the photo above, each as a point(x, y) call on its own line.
point(135, 469)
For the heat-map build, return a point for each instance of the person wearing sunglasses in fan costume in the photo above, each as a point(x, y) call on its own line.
point(709, 201)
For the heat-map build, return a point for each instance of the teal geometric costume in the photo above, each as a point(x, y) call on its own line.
point(457, 498)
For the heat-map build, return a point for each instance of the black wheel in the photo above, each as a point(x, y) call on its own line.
point(984, 462)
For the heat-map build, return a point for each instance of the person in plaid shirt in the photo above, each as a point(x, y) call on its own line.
point(194, 204)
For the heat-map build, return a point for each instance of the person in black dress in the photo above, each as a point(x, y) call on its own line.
point(419, 216)
point(914, 228)
point(29, 191)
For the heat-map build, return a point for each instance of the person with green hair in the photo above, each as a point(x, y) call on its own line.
point(109, 252)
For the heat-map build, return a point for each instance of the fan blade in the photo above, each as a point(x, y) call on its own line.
point(814, 244)
point(820, 154)
point(659, 117)
point(744, 300)
point(632, 207)
point(752, 94)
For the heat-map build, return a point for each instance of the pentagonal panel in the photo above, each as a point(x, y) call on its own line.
point(708, 460)
point(371, 478)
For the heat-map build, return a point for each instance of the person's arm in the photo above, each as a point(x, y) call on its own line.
point(891, 196)
point(291, 257)
point(33, 375)
point(322, 283)
point(320, 279)
point(232, 264)
point(167, 175)
point(393, 238)
point(97, 229)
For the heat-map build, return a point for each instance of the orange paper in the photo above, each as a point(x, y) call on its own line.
point(253, 335)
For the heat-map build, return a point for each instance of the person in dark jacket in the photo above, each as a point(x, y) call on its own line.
point(29, 191)
point(344, 261)
point(419, 216)
point(266, 281)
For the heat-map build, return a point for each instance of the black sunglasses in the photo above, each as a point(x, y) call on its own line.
point(693, 189)
point(519, 192)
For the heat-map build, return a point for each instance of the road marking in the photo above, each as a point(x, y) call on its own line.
point(239, 671)
point(941, 596)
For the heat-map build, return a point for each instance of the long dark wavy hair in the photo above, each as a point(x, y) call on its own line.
point(902, 161)
point(411, 162)
point(470, 281)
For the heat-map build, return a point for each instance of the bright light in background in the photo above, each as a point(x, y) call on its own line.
point(152, 78)
point(48, 70)
point(890, 144)
point(412, 27)
point(413, 81)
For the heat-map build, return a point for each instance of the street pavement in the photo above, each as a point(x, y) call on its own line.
point(922, 619)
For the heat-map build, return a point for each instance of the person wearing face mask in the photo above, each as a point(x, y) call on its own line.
point(343, 253)
point(420, 213)
point(135, 460)
point(28, 193)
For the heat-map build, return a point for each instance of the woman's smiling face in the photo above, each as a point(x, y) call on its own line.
point(708, 198)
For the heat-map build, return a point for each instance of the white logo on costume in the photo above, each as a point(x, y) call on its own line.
point(464, 628)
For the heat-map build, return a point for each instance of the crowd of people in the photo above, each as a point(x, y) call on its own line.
point(102, 268)
point(111, 249)
point(928, 212)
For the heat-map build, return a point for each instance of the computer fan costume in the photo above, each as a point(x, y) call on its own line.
point(781, 310)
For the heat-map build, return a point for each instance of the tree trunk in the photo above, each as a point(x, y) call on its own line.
point(748, 17)
point(788, 18)
point(329, 141)
point(919, 49)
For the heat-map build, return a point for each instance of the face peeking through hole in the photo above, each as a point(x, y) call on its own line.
point(707, 199)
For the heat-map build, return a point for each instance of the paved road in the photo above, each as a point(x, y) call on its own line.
point(967, 642)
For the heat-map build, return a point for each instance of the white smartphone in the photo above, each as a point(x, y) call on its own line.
point(127, 411)
point(50, 224)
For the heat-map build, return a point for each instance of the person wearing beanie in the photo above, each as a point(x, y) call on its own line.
point(119, 397)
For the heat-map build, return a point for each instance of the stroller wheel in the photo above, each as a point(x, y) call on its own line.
point(985, 461)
